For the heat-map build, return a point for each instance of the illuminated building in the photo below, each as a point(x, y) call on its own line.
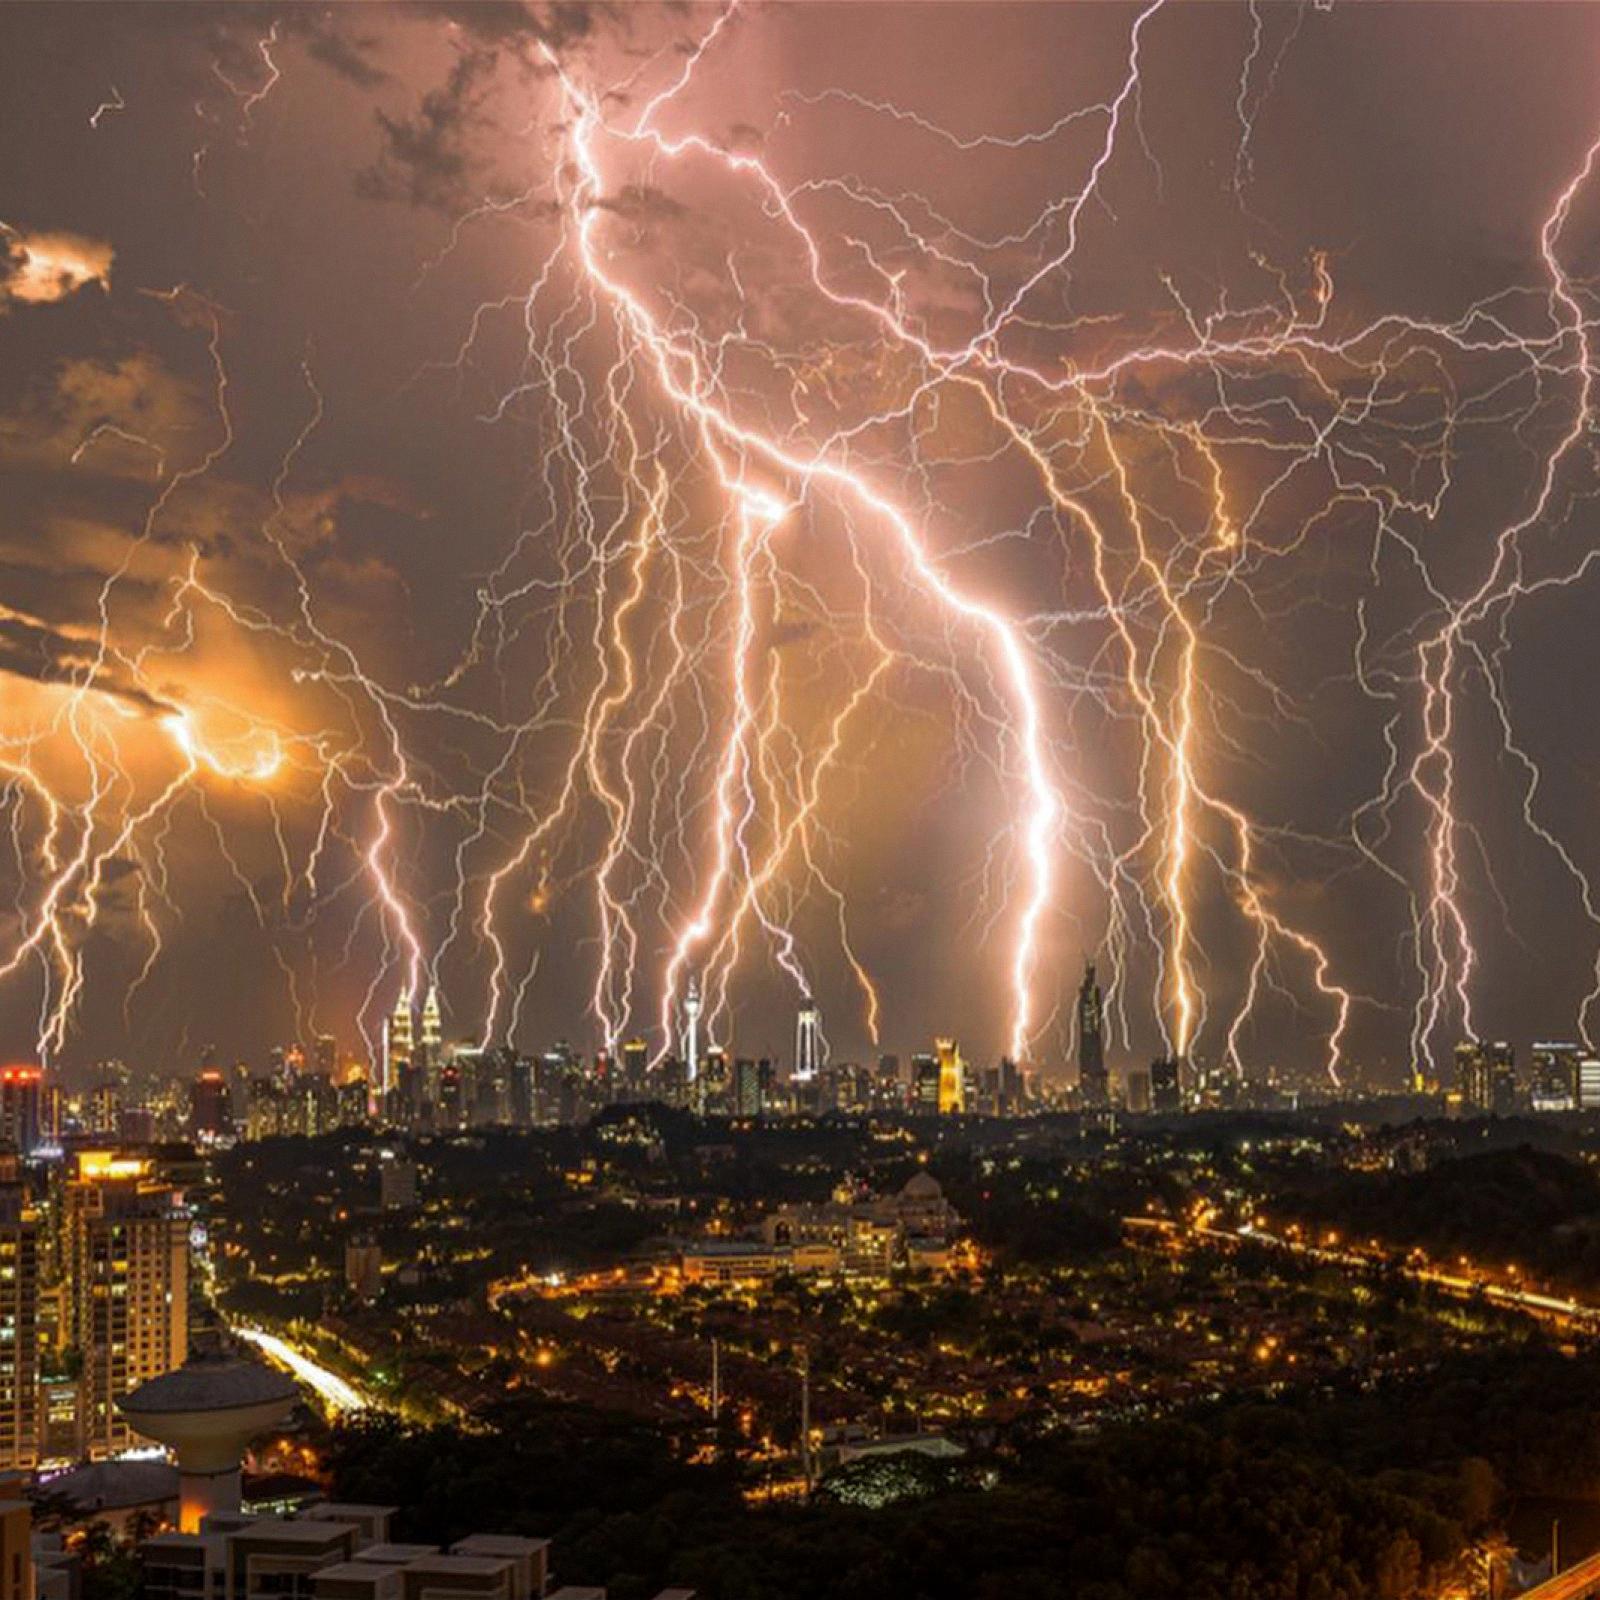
point(748, 1098)
point(952, 1078)
point(1555, 1077)
point(20, 1430)
point(925, 1083)
point(22, 1119)
point(691, 1031)
point(210, 1107)
point(807, 1041)
point(1472, 1075)
point(397, 1043)
point(432, 1022)
point(1589, 1083)
point(1486, 1076)
point(327, 1056)
point(126, 1238)
point(635, 1066)
point(714, 1087)
point(103, 1109)
point(1166, 1084)
point(1093, 1083)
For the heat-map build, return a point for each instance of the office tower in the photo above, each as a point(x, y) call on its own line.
point(1166, 1084)
point(1008, 1088)
point(714, 1089)
point(1589, 1083)
point(1093, 1083)
point(351, 1099)
point(210, 1108)
point(952, 1078)
point(398, 1048)
point(924, 1083)
point(432, 1038)
point(635, 1067)
point(1555, 1077)
point(1486, 1076)
point(523, 1097)
point(691, 1032)
point(20, 1430)
point(327, 1056)
point(126, 1238)
point(747, 1100)
point(101, 1108)
point(22, 1122)
point(1136, 1090)
point(807, 1041)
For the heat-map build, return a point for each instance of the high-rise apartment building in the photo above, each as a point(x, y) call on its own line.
point(126, 1259)
point(19, 1328)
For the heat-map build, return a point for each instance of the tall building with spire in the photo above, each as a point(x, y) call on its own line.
point(691, 1031)
point(398, 1046)
point(808, 1041)
point(1093, 1081)
point(432, 1024)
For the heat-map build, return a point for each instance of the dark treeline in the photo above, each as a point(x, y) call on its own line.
point(1376, 1492)
point(1523, 1206)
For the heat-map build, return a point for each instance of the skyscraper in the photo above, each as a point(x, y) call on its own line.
point(210, 1107)
point(1555, 1076)
point(807, 1041)
point(952, 1078)
point(691, 1031)
point(1486, 1075)
point(1166, 1084)
point(1093, 1083)
point(127, 1260)
point(22, 1120)
point(398, 1048)
point(635, 1067)
point(19, 1329)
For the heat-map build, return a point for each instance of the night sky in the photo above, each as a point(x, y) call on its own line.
point(560, 499)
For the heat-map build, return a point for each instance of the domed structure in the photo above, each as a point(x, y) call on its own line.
point(206, 1412)
point(922, 1186)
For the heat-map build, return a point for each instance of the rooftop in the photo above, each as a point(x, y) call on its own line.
point(209, 1383)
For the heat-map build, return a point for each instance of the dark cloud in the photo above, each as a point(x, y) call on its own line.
point(33, 649)
point(425, 157)
point(348, 57)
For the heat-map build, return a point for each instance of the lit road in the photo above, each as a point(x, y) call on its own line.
point(1576, 1582)
point(329, 1387)
point(1457, 1283)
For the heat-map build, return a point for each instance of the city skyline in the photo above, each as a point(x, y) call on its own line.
point(557, 502)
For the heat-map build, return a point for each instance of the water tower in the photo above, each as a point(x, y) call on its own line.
point(206, 1412)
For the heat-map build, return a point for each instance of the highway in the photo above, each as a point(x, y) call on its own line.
point(337, 1394)
point(1456, 1283)
point(1579, 1580)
